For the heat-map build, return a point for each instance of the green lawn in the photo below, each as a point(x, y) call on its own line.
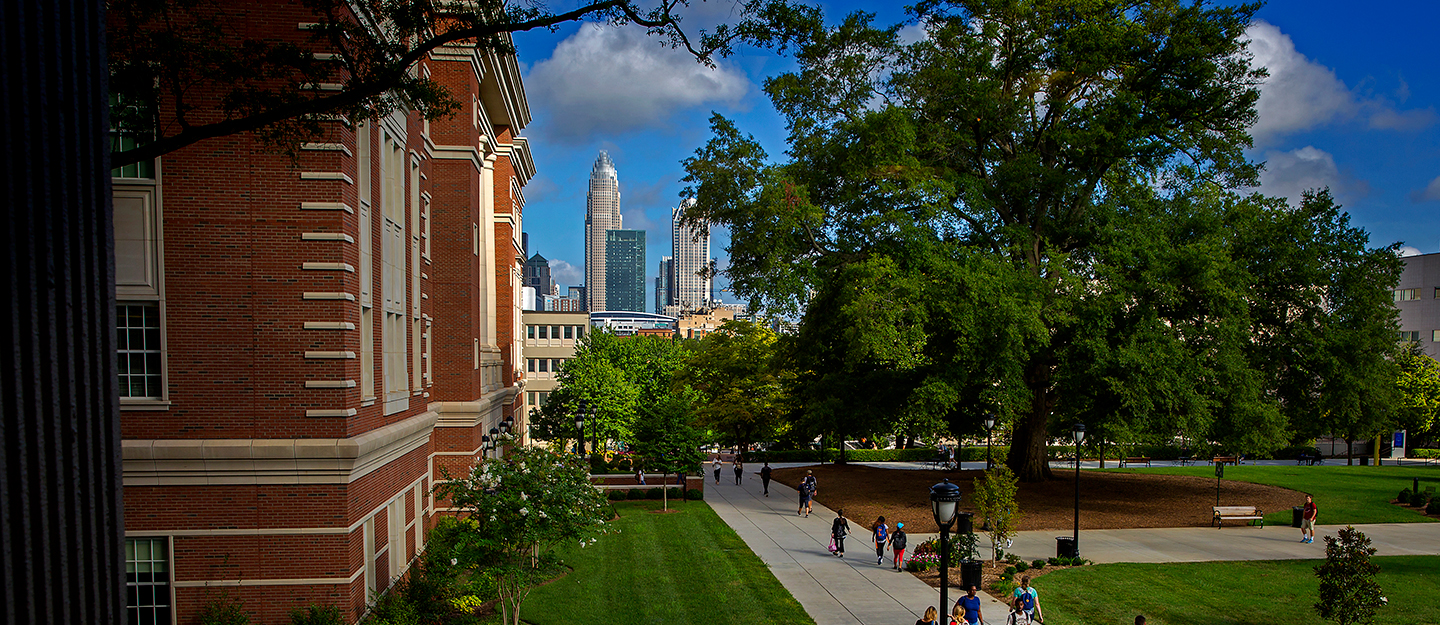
point(1344, 494)
point(684, 567)
point(1228, 593)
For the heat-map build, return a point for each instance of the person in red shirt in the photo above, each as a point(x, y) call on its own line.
point(1307, 521)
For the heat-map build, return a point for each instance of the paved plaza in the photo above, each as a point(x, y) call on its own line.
point(837, 591)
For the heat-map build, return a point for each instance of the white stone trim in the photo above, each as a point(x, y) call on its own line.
point(346, 267)
point(331, 413)
point(299, 581)
point(326, 206)
point(327, 236)
point(175, 462)
point(327, 175)
point(329, 325)
point(330, 384)
point(326, 147)
point(329, 355)
point(327, 295)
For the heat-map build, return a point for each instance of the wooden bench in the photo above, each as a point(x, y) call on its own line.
point(1226, 459)
point(1137, 460)
point(1236, 513)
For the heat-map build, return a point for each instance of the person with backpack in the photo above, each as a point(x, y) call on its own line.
point(716, 466)
point(880, 532)
point(839, 529)
point(739, 470)
point(808, 486)
point(1028, 601)
point(765, 478)
point(898, 541)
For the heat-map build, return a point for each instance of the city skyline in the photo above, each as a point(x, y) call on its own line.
point(602, 214)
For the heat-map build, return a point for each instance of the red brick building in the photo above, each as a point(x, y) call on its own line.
point(305, 346)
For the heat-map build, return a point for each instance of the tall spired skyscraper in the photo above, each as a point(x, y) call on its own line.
point(602, 212)
point(690, 257)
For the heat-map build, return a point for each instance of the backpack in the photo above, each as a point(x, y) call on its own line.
point(897, 541)
point(1027, 601)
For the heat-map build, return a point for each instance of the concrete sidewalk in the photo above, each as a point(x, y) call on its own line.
point(834, 591)
point(1201, 544)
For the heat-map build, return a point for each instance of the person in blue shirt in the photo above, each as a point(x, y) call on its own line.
point(1027, 600)
point(967, 609)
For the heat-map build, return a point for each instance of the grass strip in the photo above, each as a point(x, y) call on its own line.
point(681, 567)
point(1228, 593)
point(1343, 494)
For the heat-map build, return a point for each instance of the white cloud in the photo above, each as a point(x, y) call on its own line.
point(611, 79)
point(1431, 192)
point(565, 273)
point(1290, 174)
point(1406, 250)
point(1301, 94)
point(636, 219)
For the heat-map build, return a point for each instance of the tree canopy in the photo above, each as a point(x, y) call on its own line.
point(1034, 209)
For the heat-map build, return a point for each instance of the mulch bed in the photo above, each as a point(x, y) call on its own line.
point(1107, 500)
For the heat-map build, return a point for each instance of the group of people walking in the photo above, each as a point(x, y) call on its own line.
point(1024, 608)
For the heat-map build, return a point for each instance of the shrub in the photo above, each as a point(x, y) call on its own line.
point(695, 494)
point(1010, 570)
point(1404, 496)
point(1012, 558)
point(1038, 564)
point(1424, 453)
point(676, 493)
point(1003, 586)
point(1434, 507)
point(616, 495)
point(1021, 566)
point(223, 610)
point(654, 493)
point(316, 615)
point(1418, 499)
point(635, 494)
point(1348, 592)
point(1054, 561)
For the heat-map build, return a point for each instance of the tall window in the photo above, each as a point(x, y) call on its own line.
point(392, 259)
point(367, 260)
point(147, 581)
point(138, 341)
point(569, 332)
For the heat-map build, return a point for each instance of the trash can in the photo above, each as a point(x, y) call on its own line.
point(1364, 461)
point(1296, 513)
point(970, 571)
point(964, 523)
point(1065, 547)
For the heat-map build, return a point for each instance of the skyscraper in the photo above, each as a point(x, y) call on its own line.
point(690, 251)
point(663, 279)
point(602, 213)
point(625, 270)
point(537, 276)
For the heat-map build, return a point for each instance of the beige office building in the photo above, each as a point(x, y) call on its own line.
point(550, 340)
point(690, 253)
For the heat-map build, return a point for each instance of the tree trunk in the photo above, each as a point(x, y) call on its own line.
point(1027, 456)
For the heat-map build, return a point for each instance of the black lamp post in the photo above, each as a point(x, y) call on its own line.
point(486, 445)
point(989, 435)
point(580, 432)
point(944, 501)
point(594, 432)
point(1079, 432)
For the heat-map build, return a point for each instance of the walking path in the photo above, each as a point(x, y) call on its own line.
point(834, 591)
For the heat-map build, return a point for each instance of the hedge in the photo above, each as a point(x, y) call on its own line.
point(1424, 453)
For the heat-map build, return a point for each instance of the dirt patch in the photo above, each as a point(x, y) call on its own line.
point(1107, 500)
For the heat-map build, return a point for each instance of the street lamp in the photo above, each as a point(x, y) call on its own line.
point(594, 432)
point(944, 501)
point(486, 445)
point(1079, 431)
point(580, 430)
point(989, 435)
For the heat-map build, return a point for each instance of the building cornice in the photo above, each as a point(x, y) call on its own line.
point(202, 462)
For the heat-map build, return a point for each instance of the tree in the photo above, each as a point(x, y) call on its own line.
point(740, 388)
point(1419, 387)
point(666, 440)
point(1348, 591)
point(995, 501)
point(1033, 198)
point(182, 71)
point(513, 507)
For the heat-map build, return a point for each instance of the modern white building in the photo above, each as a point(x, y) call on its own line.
point(1418, 299)
point(690, 288)
point(602, 213)
point(627, 323)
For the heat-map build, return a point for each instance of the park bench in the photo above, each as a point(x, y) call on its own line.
point(1226, 460)
point(1236, 513)
point(1136, 460)
point(1305, 457)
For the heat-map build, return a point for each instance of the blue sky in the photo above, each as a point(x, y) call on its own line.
point(1351, 104)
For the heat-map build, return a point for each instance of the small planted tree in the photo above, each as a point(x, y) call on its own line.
point(995, 501)
point(666, 440)
point(513, 508)
point(1348, 591)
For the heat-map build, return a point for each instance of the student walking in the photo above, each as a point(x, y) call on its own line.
point(930, 616)
point(1307, 521)
point(1027, 601)
point(880, 532)
point(967, 609)
point(765, 478)
point(739, 470)
point(897, 545)
point(716, 466)
point(839, 529)
point(808, 488)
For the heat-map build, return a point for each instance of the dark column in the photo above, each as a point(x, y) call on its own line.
point(61, 531)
